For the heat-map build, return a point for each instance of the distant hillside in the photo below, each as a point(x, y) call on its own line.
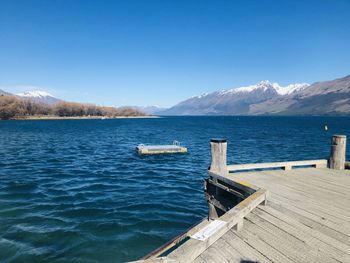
point(39, 96)
point(39, 103)
point(266, 98)
point(321, 98)
point(2, 93)
point(149, 109)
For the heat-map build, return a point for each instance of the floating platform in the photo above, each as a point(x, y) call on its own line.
point(160, 149)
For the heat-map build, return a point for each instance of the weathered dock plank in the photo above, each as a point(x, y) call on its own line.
point(310, 201)
point(193, 248)
point(298, 224)
point(284, 165)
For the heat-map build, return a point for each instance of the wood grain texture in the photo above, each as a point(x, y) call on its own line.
point(284, 165)
point(338, 152)
point(306, 219)
point(218, 157)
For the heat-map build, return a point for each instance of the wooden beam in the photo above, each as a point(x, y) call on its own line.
point(155, 260)
point(239, 225)
point(227, 189)
point(192, 248)
point(212, 201)
point(347, 165)
point(173, 242)
point(284, 165)
point(245, 186)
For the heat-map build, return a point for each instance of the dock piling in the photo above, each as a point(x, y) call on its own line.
point(218, 156)
point(218, 166)
point(338, 150)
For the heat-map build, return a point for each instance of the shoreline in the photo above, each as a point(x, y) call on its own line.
point(33, 118)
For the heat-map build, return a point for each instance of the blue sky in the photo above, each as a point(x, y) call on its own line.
point(151, 52)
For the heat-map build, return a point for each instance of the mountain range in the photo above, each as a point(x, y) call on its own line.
point(35, 96)
point(39, 96)
point(266, 98)
point(4, 93)
point(151, 110)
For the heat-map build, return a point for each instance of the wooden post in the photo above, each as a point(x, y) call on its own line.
point(338, 150)
point(212, 213)
point(287, 167)
point(218, 166)
point(239, 225)
point(218, 156)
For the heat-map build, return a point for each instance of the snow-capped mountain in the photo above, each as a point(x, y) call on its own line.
point(266, 97)
point(39, 96)
point(35, 94)
point(292, 88)
point(264, 85)
point(321, 98)
point(233, 101)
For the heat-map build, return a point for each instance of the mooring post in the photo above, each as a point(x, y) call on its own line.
point(338, 150)
point(218, 166)
point(218, 156)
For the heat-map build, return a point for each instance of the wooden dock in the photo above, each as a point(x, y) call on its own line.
point(306, 219)
point(289, 215)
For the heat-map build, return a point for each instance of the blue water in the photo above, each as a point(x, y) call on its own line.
point(75, 191)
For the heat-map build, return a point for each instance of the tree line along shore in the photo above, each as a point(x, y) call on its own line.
point(12, 107)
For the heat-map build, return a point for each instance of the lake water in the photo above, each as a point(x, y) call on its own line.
point(75, 191)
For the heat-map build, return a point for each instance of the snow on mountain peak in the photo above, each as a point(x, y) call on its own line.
point(266, 85)
point(35, 94)
point(200, 96)
point(291, 88)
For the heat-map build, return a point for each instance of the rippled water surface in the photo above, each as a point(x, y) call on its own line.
point(75, 191)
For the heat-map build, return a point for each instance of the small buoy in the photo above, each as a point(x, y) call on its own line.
point(326, 128)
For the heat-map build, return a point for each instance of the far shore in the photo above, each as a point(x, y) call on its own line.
point(81, 117)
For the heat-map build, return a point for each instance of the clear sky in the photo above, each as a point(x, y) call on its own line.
point(146, 52)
